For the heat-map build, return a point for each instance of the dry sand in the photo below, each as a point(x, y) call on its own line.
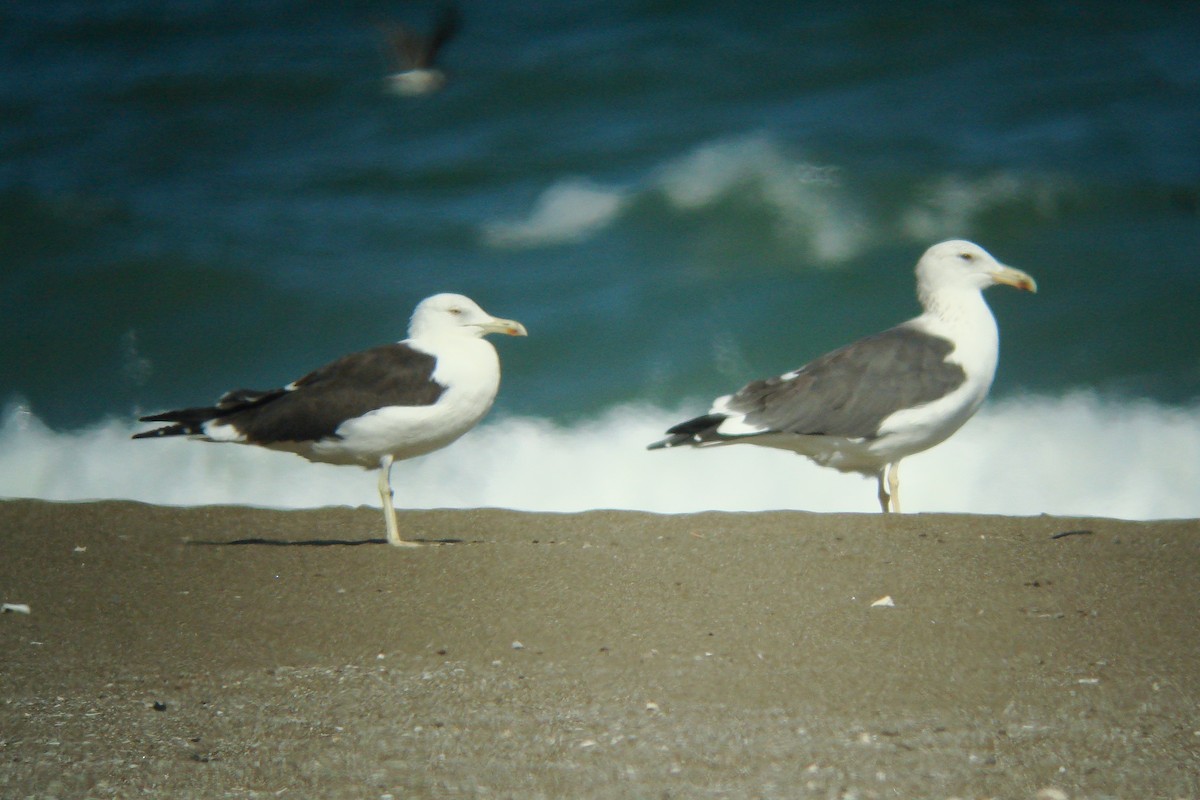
point(230, 652)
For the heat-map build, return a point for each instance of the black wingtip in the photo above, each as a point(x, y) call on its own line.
point(154, 434)
point(185, 422)
point(158, 433)
point(690, 432)
point(674, 441)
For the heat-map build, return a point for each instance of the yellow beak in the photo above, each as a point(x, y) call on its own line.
point(506, 326)
point(1011, 276)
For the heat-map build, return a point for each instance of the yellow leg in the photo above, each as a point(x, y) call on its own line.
point(389, 510)
point(889, 487)
point(894, 485)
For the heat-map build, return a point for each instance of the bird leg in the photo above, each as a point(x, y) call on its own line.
point(894, 485)
point(389, 510)
point(884, 499)
point(889, 496)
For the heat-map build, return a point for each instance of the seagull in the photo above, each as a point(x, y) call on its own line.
point(371, 408)
point(864, 407)
point(416, 55)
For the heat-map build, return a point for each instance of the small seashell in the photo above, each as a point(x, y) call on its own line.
point(517, 646)
point(1050, 793)
point(884, 602)
point(14, 608)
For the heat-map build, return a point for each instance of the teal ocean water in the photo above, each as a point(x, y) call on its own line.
point(674, 198)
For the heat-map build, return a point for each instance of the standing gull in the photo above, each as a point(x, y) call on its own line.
point(864, 407)
point(415, 55)
point(371, 408)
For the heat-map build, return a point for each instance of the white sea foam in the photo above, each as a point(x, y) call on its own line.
point(568, 211)
point(1075, 455)
point(950, 205)
point(810, 207)
point(805, 202)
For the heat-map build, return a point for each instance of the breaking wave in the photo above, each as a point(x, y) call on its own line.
point(1078, 455)
point(814, 209)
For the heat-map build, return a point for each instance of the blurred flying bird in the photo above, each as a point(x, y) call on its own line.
point(415, 55)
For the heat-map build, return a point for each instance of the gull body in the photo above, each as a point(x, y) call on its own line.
point(371, 408)
point(866, 406)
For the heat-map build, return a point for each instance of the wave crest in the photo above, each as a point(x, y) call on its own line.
point(810, 208)
point(568, 211)
point(1079, 455)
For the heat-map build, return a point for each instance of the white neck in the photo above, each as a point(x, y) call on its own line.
point(962, 313)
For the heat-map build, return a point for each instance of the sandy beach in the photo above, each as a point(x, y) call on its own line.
point(231, 652)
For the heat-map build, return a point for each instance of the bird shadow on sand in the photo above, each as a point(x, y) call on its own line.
point(259, 541)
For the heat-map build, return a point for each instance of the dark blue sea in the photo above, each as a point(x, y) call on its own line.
point(675, 198)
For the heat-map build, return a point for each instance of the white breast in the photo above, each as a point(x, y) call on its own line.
point(977, 350)
point(469, 369)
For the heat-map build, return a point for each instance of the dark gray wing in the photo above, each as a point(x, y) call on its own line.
point(351, 386)
point(448, 24)
point(850, 391)
point(408, 49)
point(415, 51)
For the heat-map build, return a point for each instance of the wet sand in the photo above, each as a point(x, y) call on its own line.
point(232, 652)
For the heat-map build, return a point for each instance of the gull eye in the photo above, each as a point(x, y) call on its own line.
point(456, 310)
point(967, 256)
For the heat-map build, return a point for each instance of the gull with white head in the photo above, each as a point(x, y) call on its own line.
point(371, 408)
point(864, 407)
